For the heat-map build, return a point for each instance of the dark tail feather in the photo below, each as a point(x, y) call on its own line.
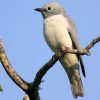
point(82, 66)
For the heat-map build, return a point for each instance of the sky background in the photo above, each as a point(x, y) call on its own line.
point(21, 29)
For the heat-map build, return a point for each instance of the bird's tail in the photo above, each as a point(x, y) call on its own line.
point(71, 66)
point(76, 85)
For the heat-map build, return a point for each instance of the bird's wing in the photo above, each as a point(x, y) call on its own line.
point(76, 44)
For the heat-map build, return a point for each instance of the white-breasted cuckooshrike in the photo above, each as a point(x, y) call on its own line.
point(60, 33)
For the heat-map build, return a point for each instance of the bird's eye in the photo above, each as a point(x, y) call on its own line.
point(49, 8)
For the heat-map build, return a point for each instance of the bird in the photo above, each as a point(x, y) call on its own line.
point(60, 33)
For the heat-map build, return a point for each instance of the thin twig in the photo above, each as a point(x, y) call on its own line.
point(84, 51)
point(93, 43)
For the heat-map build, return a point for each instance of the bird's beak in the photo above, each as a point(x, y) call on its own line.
point(40, 9)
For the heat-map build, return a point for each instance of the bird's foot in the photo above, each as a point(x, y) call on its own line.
point(64, 49)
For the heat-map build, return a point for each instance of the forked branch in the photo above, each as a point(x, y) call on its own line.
point(31, 89)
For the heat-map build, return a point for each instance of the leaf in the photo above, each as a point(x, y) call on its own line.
point(1, 88)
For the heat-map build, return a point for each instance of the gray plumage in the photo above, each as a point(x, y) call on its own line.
point(60, 32)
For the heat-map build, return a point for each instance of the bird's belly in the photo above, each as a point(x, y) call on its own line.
point(56, 33)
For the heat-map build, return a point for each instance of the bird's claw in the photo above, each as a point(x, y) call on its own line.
point(64, 49)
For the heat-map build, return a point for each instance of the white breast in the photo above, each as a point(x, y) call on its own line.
point(56, 33)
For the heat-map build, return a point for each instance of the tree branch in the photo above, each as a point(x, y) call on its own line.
point(93, 43)
point(31, 89)
point(55, 58)
point(84, 51)
point(10, 71)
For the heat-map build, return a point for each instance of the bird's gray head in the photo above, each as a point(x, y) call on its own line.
point(50, 9)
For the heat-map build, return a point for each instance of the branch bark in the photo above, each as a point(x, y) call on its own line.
point(84, 51)
point(10, 71)
point(56, 57)
point(32, 89)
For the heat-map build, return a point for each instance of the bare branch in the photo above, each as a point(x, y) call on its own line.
point(45, 68)
point(56, 57)
point(10, 71)
point(76, 51)
point(93, 43)
point(32, 88)
point(26, 87)
point(84, 51)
